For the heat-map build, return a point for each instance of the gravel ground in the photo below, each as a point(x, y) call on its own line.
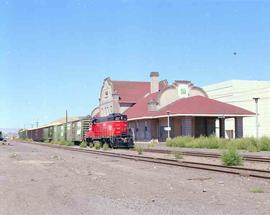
point(41, 180)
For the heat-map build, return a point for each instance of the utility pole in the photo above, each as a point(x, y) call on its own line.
point(168, 127)
point(256, 99)
point(37, 123)
point(66, 125)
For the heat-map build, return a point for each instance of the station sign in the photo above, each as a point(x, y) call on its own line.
point(167, 128)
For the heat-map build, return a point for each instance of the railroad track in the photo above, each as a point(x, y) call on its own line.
point(264, 174)
point(210, 155)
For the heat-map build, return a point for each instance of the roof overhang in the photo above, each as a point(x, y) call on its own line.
point(195, 115)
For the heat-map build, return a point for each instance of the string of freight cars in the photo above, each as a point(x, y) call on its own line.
point(264, 174)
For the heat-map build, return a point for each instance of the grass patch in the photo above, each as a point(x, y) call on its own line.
point(231, 157)
point(180, 141)
point(139, 149)
point(97, 145)
point(69, 143)
point(105, 147)
point(83, 144)
point(257, 190)
point(250, 144)
point(177, 155)
point(153, 143)
point(264, 144)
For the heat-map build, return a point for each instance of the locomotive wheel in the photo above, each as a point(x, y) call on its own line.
point(110, 143)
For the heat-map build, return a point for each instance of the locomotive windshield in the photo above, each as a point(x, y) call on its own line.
point(111, 117)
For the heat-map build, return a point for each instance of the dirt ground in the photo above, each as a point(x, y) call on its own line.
point(41, 180)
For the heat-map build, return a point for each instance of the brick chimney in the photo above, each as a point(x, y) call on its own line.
point(154, 82)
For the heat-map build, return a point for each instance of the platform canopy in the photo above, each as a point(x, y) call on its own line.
point(190, 106)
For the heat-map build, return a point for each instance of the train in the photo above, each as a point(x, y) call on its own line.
point(1, 136)
point(112, 130)
point(73, 131)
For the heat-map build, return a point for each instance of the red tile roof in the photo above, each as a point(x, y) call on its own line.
point(195, 105)
point(132, 91)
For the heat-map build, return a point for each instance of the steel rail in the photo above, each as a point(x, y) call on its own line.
point(265, 174)
point(211, 155)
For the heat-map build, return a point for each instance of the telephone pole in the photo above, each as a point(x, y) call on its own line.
point(66, 125)
point(256, 99)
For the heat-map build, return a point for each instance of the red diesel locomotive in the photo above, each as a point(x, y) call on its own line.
point(112, 129)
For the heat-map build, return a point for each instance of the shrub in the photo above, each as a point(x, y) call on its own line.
point(139, 149)
point(105, 147)
point(251, 144)
point(177, 154)
point(97, 145)
point(252, 148)
point(264, 144)
point(179, 141)
point(91, 145)
point(83, 144)
point(211, 142)
point(231, 157)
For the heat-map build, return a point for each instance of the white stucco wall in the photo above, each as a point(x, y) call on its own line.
point(106, 105)
point(178, 91)
point(241, 93)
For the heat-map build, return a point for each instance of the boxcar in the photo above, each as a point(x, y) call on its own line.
point(74, 131)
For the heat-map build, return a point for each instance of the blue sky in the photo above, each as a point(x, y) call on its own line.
point(54, 55)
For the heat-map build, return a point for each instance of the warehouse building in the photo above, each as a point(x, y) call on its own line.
point(158, 110)
point(242, 93)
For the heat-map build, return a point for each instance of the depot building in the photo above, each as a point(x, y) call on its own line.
point(158, 110)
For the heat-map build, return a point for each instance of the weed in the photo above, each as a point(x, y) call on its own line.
point(250, 144)
point(139, 149)
point(264, 144)
point(153, 143)
point(83, 144)
point(105, 147)
point(97, 145)
point(179, 141)
point(257, 190)
point(231, 157)
point(69, 143)
point(177, 154)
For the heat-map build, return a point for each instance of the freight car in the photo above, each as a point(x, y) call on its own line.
point(22, 133)
point(112, 129)
point(59, 130)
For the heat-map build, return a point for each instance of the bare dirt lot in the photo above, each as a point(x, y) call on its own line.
point(41, 180)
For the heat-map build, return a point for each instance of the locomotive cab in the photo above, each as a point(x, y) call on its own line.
point(112, 129)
